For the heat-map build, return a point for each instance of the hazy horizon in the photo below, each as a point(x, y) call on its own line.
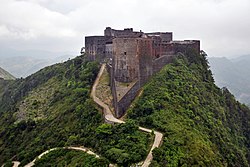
point(60, 25)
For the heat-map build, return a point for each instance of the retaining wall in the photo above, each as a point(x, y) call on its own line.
point(126, 100)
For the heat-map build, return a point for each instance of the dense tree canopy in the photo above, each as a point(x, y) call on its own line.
point(202, 124)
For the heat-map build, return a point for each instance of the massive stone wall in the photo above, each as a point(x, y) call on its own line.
point(132, 59)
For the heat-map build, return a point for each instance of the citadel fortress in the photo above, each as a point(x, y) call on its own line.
point(132, 57)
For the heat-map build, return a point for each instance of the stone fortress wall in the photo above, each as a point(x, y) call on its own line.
point(132, 58)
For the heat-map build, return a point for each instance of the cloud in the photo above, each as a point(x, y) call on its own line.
point(221, 25)
point(29, 20)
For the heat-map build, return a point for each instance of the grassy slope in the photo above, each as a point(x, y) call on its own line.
point(6, 75)
point(52, 108)
point(202, 125)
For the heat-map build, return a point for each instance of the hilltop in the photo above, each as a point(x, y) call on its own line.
point(53, 110)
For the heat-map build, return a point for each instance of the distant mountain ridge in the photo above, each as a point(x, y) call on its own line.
point(22, 63)
point(233, 74)
point(5, 75)
point(23, 66)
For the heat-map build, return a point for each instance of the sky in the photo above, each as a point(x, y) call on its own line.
point(223, 26)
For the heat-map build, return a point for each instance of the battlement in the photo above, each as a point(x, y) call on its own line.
point(127, 32)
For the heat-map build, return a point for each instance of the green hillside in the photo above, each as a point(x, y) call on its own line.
point(5, 75)
point(53, 108)
point(202, 124)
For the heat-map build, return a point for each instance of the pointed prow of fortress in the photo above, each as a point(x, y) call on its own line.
point(132, 57)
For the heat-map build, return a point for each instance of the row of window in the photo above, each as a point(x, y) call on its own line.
point(94, 52)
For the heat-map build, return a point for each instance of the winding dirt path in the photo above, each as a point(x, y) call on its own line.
point(32, 163)
point(70, 148)
point(109, 117)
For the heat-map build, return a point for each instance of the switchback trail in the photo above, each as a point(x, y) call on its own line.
point(32, 163)
point(109, 117)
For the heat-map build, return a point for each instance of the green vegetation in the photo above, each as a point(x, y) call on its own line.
point(122, 143)
point(8, 164)
point(37, 102)
point(202, 124)
point(53, 108)
point(65, 157)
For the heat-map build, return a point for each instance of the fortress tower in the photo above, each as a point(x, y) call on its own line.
point(132, 59)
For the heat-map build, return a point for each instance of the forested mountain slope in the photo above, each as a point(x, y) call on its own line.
point(202, 124)
point(53, 108)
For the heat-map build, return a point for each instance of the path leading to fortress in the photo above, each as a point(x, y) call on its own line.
point(109, 117)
